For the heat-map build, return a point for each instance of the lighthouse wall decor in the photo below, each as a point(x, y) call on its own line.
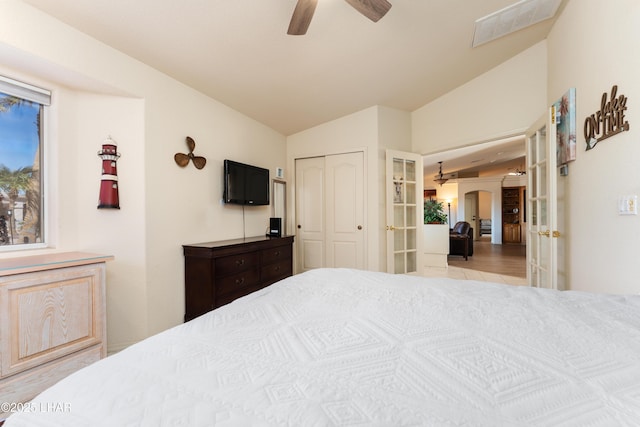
point(109, 185)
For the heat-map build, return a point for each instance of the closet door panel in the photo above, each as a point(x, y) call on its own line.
point(310, 214)
point(345, 210)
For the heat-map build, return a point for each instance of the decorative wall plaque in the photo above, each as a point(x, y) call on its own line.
point(608, 121)
point(565, 120)
point(183, 159)
point(109, 198)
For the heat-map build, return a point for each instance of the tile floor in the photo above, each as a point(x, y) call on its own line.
point(468, 274)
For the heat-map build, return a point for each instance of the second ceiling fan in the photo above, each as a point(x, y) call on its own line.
point(302, 14)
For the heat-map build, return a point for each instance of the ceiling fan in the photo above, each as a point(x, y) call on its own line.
point(302, 14)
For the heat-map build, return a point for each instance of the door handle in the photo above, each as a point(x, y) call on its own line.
point(359, 227)
point(390, 228)
point(548, 233)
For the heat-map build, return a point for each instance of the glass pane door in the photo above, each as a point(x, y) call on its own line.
point(541, 168)
point(404, 213)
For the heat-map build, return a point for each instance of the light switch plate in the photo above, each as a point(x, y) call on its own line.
point(628, 205)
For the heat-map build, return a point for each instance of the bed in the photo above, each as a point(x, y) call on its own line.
point(347, 347)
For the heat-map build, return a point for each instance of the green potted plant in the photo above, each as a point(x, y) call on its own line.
point(434, 212)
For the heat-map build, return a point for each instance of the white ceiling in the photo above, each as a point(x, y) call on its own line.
point(238, 52)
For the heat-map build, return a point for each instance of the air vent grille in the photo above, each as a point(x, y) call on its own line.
point(513, 18)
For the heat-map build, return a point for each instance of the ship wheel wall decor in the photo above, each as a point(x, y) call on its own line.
point(183, 159)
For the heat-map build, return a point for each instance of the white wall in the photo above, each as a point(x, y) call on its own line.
point(99, 91)
point(593, 46)
point(503, 102)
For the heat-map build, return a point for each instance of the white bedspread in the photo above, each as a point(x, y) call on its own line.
point(346, 347)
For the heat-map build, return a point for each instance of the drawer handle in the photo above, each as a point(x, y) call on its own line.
point(277, 253)
point(240, 262)
point(240, 281)
point(277, 268)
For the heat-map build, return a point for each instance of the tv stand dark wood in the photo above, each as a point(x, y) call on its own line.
point(216, 273)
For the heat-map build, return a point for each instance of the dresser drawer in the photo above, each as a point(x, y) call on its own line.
point(236, 263)
point(230, 284)
point(272, 272)
point(274, 255)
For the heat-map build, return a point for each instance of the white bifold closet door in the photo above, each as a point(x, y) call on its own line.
point(330, 200)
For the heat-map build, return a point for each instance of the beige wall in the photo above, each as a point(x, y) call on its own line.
point(119, 232)
point(484, 204)
point(371, 130)
point(97, 92)
point(593, 46)
point(394, 132)
point(503, 102)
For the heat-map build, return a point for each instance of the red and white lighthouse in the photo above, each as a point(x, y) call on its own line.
point(109, 184)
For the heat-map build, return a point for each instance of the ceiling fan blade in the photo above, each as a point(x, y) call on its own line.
point(372, 9)
point(301, 18)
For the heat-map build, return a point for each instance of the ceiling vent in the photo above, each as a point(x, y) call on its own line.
point(513, 18)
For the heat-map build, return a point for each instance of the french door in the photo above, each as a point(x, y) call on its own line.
point(542, 212)
point(404, 208)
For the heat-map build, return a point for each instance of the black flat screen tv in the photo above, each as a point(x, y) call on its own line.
point(245, 184)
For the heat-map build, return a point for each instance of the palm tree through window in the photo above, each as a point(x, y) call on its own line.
point(21, 192)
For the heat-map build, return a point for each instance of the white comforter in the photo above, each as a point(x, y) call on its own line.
point(346, 347)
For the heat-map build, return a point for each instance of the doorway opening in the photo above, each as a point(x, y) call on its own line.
point(477, 175)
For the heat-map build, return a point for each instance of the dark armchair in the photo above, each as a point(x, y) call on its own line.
point(461, 239)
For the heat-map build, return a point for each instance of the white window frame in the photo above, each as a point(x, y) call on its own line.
point(41, 96)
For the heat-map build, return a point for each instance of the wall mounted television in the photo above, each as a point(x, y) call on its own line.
point(245, 184)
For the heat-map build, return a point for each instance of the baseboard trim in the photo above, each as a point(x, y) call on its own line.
point(119, 347)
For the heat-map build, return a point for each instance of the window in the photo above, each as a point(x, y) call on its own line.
point(22, 107)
